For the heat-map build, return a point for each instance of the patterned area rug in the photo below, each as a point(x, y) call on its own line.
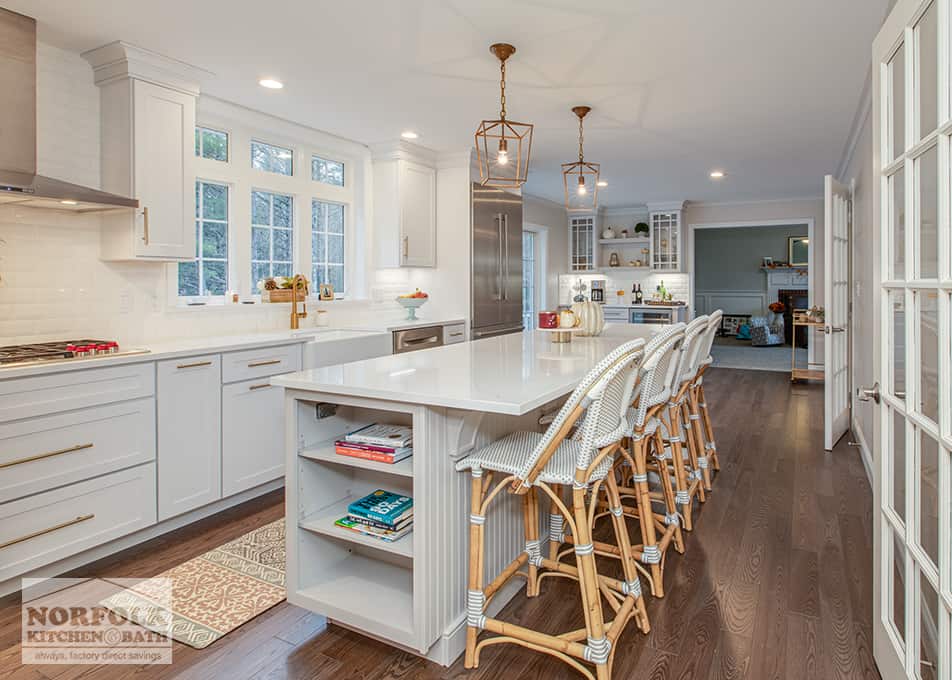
point(215, 593)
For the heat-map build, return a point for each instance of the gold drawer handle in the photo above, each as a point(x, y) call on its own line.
point(195, 365)
point(145, 225)
point(456, 335)
point(270, 362)
point(259, 387)
point(41, 532)
point(50, 454)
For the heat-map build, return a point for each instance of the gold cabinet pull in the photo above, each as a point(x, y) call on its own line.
point(48, 454)
point(259, 387)
point(41, 532)
point(195, 365)
point(270, 362)
point(145, 225)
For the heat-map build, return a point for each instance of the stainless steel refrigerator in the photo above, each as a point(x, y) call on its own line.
point(497, 262)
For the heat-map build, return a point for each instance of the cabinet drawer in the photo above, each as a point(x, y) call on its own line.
point(616, 314)
point(260, 363)
point(43, 394)
point(38, 454)
point(453, 334)
point(41, 529)
point(252, 442)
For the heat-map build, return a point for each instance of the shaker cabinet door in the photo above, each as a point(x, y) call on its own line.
point(252, 435)
point(189, 433)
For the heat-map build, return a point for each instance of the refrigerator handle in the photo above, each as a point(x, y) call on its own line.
point(505, 278)
point(499, 257)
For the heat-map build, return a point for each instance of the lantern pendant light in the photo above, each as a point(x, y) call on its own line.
point(581, 177)
point(503, 145)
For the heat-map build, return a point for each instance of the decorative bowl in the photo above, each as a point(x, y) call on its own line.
point(411, 305)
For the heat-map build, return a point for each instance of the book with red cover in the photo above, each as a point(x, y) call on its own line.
point(376, 456)
point(372, 447)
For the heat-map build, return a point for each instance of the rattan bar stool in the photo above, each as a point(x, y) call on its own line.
point(530, 463)
point(702, 424)
point(674, 460)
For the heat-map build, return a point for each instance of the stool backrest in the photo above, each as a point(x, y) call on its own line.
point(707, 341)
point(657, 371)
point(690, 358)
point(604, 394)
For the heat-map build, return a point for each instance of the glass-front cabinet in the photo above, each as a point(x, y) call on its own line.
point(582, 239)
point(665, 240)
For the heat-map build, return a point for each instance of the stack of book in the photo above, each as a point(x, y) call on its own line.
point(377, 442)
point(381, 514)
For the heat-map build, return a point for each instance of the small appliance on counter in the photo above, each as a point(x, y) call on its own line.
point(598, 290)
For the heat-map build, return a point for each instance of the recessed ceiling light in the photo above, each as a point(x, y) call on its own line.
point(718, 174)
point(602, 183)
point(271, 83)
point(409, 134)
point(69, 202)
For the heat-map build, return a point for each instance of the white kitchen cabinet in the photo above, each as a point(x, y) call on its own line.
point(188, 395)
point(252, 434)
point(404, 212)
point(582, 239)
point(148, 138)
point(666, 247)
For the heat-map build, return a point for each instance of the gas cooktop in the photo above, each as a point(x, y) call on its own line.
point(67, 350)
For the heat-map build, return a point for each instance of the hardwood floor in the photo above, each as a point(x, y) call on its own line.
point(776, 581)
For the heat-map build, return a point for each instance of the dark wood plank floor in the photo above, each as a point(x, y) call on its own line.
point(776, 581)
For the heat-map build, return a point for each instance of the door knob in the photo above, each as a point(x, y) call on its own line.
point(833, 329)
point(868, 393)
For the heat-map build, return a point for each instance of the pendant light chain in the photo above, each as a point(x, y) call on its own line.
point(502, 89)
point(581, 140)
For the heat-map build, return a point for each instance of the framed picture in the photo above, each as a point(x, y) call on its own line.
point(767, 262)
point(326, 292)
point(798, 248)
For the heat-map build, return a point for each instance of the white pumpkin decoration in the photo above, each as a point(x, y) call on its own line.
point(591, 317)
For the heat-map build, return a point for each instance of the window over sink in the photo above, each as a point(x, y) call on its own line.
point(208, 274)
point(272, 235)
point(327, 245)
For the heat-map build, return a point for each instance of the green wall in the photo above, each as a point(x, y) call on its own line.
point(730, 259)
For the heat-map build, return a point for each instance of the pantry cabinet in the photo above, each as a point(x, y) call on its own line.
point(188, 395)
point(404, 191)
point(148, 126)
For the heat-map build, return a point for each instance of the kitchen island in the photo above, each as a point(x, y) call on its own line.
point(411, 592)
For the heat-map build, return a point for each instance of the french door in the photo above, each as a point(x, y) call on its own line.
point(912, 439)
point(838, 211)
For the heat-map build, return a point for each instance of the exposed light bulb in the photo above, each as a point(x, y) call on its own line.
point(502, 158)
point(582, 190)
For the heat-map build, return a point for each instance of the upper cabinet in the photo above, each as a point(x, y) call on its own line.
point(148, 123)
point(404, 207)
point(582, 239)
point(666, 246)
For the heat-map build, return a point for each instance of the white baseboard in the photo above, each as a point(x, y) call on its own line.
point(864, 451)
point(67, 564)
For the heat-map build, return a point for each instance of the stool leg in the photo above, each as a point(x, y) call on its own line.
point(672, 515)
point(556, 525)
point(693, 450)
point(708, 428)
point(588, 586)
point(530, 516)
point(651, 554)
point(677, 460)
point(632, 582)
point(474, 597)
point(694, 418)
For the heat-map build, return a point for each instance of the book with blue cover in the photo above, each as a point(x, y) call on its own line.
point(383, 506)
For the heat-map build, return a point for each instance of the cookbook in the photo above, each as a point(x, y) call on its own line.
point(381, 434)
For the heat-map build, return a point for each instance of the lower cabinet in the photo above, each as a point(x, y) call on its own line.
point(188, 396)
point(252, 434)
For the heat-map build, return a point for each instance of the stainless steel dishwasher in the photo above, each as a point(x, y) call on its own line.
point(413, 339)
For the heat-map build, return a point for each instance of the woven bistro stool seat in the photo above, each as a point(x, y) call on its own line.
point(700, 414)
point(578, 449)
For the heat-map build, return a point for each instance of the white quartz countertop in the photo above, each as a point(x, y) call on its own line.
point(509, 374)
point(190, 347)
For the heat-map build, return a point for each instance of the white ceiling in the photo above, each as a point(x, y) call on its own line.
point(764, 90)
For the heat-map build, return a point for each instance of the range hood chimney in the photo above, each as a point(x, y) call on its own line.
point(19, 182)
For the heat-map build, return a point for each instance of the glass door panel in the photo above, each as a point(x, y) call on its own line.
point(928, 494)
point(928, 336)
point(927, 184)
point(927, 72)
point(897, 108)
point(898, 464)
point(897, 221)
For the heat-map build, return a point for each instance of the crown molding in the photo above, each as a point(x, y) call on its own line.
point(723, 204)
point(863, 110)
point(117, 60)
point(665, 206)
point(402, 150)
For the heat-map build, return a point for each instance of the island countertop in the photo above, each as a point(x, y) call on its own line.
point(509, 374)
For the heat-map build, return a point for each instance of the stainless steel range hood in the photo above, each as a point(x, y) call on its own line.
point(19, 182)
